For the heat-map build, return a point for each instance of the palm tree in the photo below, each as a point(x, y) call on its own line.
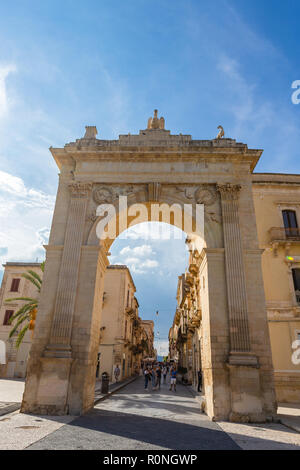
point(27, 313)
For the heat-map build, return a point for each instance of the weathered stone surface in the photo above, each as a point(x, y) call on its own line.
point(167, 169)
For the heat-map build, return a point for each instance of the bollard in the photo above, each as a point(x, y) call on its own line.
point(104, 382)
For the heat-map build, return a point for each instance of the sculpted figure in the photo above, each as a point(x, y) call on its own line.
point(155, 123)
point(221, 132)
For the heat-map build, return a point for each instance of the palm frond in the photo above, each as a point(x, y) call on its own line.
point(35, 275)
point(21, 320)
point(32, 280)
point(21, 335)
point(43, 266)
point(26, 308)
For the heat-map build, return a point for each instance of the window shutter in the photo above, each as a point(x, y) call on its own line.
point(7, 316)
point(15, 285)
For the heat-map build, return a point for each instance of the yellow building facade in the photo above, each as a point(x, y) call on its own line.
point(123, 339)
point(276, 200)
point(277, 207)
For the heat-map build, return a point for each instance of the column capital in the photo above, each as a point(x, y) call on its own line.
point(80, 189)
point(229, 191)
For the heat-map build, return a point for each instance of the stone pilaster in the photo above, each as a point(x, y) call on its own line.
point(61, 328)
point(235, 276)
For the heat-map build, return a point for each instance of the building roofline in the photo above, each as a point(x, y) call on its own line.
point(275, 178)
point(16, 263)
point(122, 266)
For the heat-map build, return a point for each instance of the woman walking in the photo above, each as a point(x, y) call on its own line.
point(164, 372)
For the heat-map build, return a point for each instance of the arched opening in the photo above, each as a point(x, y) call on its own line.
point(185, 331)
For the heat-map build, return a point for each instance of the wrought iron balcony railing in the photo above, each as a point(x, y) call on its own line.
point(284, 234)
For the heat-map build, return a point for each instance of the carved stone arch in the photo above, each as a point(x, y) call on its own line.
point(154, 167)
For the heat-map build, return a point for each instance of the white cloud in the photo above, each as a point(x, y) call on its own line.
point(14, 191)
point(143, 250)
point(25, 217)
point(162, 347)
point(132, 261)
point(5, 70)
point(149, 263)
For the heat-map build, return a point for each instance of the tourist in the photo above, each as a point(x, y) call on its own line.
point(158, 375)
point(154, 377)
point(173, 379)
point(199, 380)
point(164, 372)
point(147, 375)
point(117, 373)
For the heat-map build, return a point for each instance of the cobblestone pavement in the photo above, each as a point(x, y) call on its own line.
point(133, 418)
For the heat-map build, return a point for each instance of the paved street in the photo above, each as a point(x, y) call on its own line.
point(137, 419)
point(133, 418)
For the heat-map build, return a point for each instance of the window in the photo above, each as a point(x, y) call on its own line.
point(8, 314)
point(15, 285)
point(296, 279)
point(290, 223)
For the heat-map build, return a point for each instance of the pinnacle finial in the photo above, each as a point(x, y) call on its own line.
point(90, 132)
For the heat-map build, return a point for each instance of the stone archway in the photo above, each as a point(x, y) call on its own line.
point(154, 167)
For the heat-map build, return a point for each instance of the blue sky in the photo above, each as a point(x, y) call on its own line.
point(66, 64)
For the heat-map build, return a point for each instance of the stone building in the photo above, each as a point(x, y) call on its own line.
point(14, 285)
point(122, 333)
point(124, 338)
point(148, 326)
point(277, 208)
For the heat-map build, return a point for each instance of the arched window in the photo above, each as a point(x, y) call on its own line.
point(296, 279)
point(290, 223)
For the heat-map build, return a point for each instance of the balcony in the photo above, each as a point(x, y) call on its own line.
point(283, 236)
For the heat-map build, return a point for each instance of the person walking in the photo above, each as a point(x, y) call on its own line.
point(173, 379)
point(154, 377)
point(158, 376)
point(147, 375)
point(164, 372)
point(117, 373)
point(199, 380)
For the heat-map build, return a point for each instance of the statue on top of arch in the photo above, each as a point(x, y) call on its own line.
point(155, 122)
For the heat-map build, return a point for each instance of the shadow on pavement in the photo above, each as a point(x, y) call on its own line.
point(114, 430)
